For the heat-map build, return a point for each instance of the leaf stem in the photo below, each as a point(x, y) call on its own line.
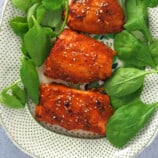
point(153, 71)
point(65, 20)
point(9, 87)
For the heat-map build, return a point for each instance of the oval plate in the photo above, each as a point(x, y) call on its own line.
point(35, 140)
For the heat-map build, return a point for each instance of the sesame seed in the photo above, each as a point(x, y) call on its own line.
point(98, 20)
point(86, 110)
point(73, 52)
point(54, 117)
point(86, 55)
point(76, 120)
point(62, 121)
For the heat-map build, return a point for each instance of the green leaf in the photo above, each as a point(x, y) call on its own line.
point(124, 81)
point(13, 96)
point(37, 43)
point(94, 85)
point(10, 101)
point(122, 4)
point(118, 102)
point(30, 79)
point(49, 18)
point(53, 5)
point(24, 5)
point(53, 17)
point(127, 121)
point(137, 17)
point(19, 93)
point(153, 47)
point(31, 12)
point(151, 3)
point(23, 49)
point(132, 51)
point(19, 26)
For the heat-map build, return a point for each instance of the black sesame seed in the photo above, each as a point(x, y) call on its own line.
point(67, 104)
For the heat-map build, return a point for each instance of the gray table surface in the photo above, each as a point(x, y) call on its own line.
point(9, 150)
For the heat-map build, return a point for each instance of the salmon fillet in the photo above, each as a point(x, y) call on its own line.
point(78, 58)
point(73, 109)
point(96, 16)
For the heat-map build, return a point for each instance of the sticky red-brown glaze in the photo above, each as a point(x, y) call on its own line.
point(73, 109)
point(77, 58)
point(96, 16)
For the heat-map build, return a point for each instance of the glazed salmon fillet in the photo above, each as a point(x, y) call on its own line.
point(96, 16)
point(73, 109)
point(78, 58)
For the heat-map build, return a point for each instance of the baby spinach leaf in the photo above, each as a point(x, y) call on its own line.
point(49, 18)
point(153, 47)
point(53, 5)
point(122, 4)
point(19, 26)
point(13, 96)
point(127, 121)
point(72, 85)
point(94, 85)
point(10, 101)
point(31, 12)
point(19, 93)
point(117, 102)
point(53, 18)
point(62, 26)
point(30, 79)
point(23, 49)
point(49, 32)
point(24, 5)
point(132, 51)
point(125, 81)
point(152, 3)
point(37, 43)
point(137, 17)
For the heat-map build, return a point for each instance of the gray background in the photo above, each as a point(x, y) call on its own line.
point(9, 150)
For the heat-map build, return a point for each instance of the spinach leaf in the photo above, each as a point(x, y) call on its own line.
point(19, 26)
point(122, 4)
point(49, 18)
point(118, 102)
point(30, 79)
point(152, 3)
point(13, 96)
point(127, 121)
point(95, 84)
point(19, 93)
point(137, 17)
point(24, 5)
point(23, 49)
point(53, 5)
point(31, 12)
point(153, 47)
point(125, 81)
point(37, 43)
point(132, 51)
